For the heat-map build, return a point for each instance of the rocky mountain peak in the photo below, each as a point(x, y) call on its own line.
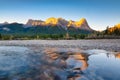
point(52, 21)
point(82, 24)
point(32, 22)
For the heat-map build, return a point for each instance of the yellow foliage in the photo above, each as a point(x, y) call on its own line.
point(114, 30)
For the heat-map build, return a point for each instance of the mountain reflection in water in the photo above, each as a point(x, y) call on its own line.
point(34, 63)
point(66, 59)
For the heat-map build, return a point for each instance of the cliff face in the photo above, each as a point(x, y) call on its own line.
point(82, 24)
point(35, 22)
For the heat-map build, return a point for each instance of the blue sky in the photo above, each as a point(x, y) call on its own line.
point(99, 13)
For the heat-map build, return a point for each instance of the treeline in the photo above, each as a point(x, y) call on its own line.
point(16, 31)
point(113, 30)
point(42, 36)
point(109, 33)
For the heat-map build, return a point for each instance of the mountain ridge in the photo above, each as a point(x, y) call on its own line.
point(52, 21)
point(49, 26)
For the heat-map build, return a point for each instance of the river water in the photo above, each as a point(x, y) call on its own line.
point(35, 63)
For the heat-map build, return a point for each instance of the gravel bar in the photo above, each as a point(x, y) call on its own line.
point(104, 44)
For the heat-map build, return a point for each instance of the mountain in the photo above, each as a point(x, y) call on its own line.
point(4, 23)
point(50, 26)
point(32, 22)
point(56, 22)
point(81, 24)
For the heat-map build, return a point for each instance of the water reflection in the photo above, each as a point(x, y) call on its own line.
point(56, 64)
point(117, 55)
point(81, 63)
point(74, 62)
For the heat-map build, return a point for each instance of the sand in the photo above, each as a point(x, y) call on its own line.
point(104, 44)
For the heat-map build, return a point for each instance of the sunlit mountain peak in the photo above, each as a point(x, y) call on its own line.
point(52, 21)
point(71, 23)
point(81, 22)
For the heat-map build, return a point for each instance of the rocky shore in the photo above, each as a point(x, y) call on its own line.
point(104, 44)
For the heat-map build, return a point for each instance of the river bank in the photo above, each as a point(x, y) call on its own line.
point(105, 44)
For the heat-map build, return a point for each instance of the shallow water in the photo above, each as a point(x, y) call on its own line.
point(35, 63)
